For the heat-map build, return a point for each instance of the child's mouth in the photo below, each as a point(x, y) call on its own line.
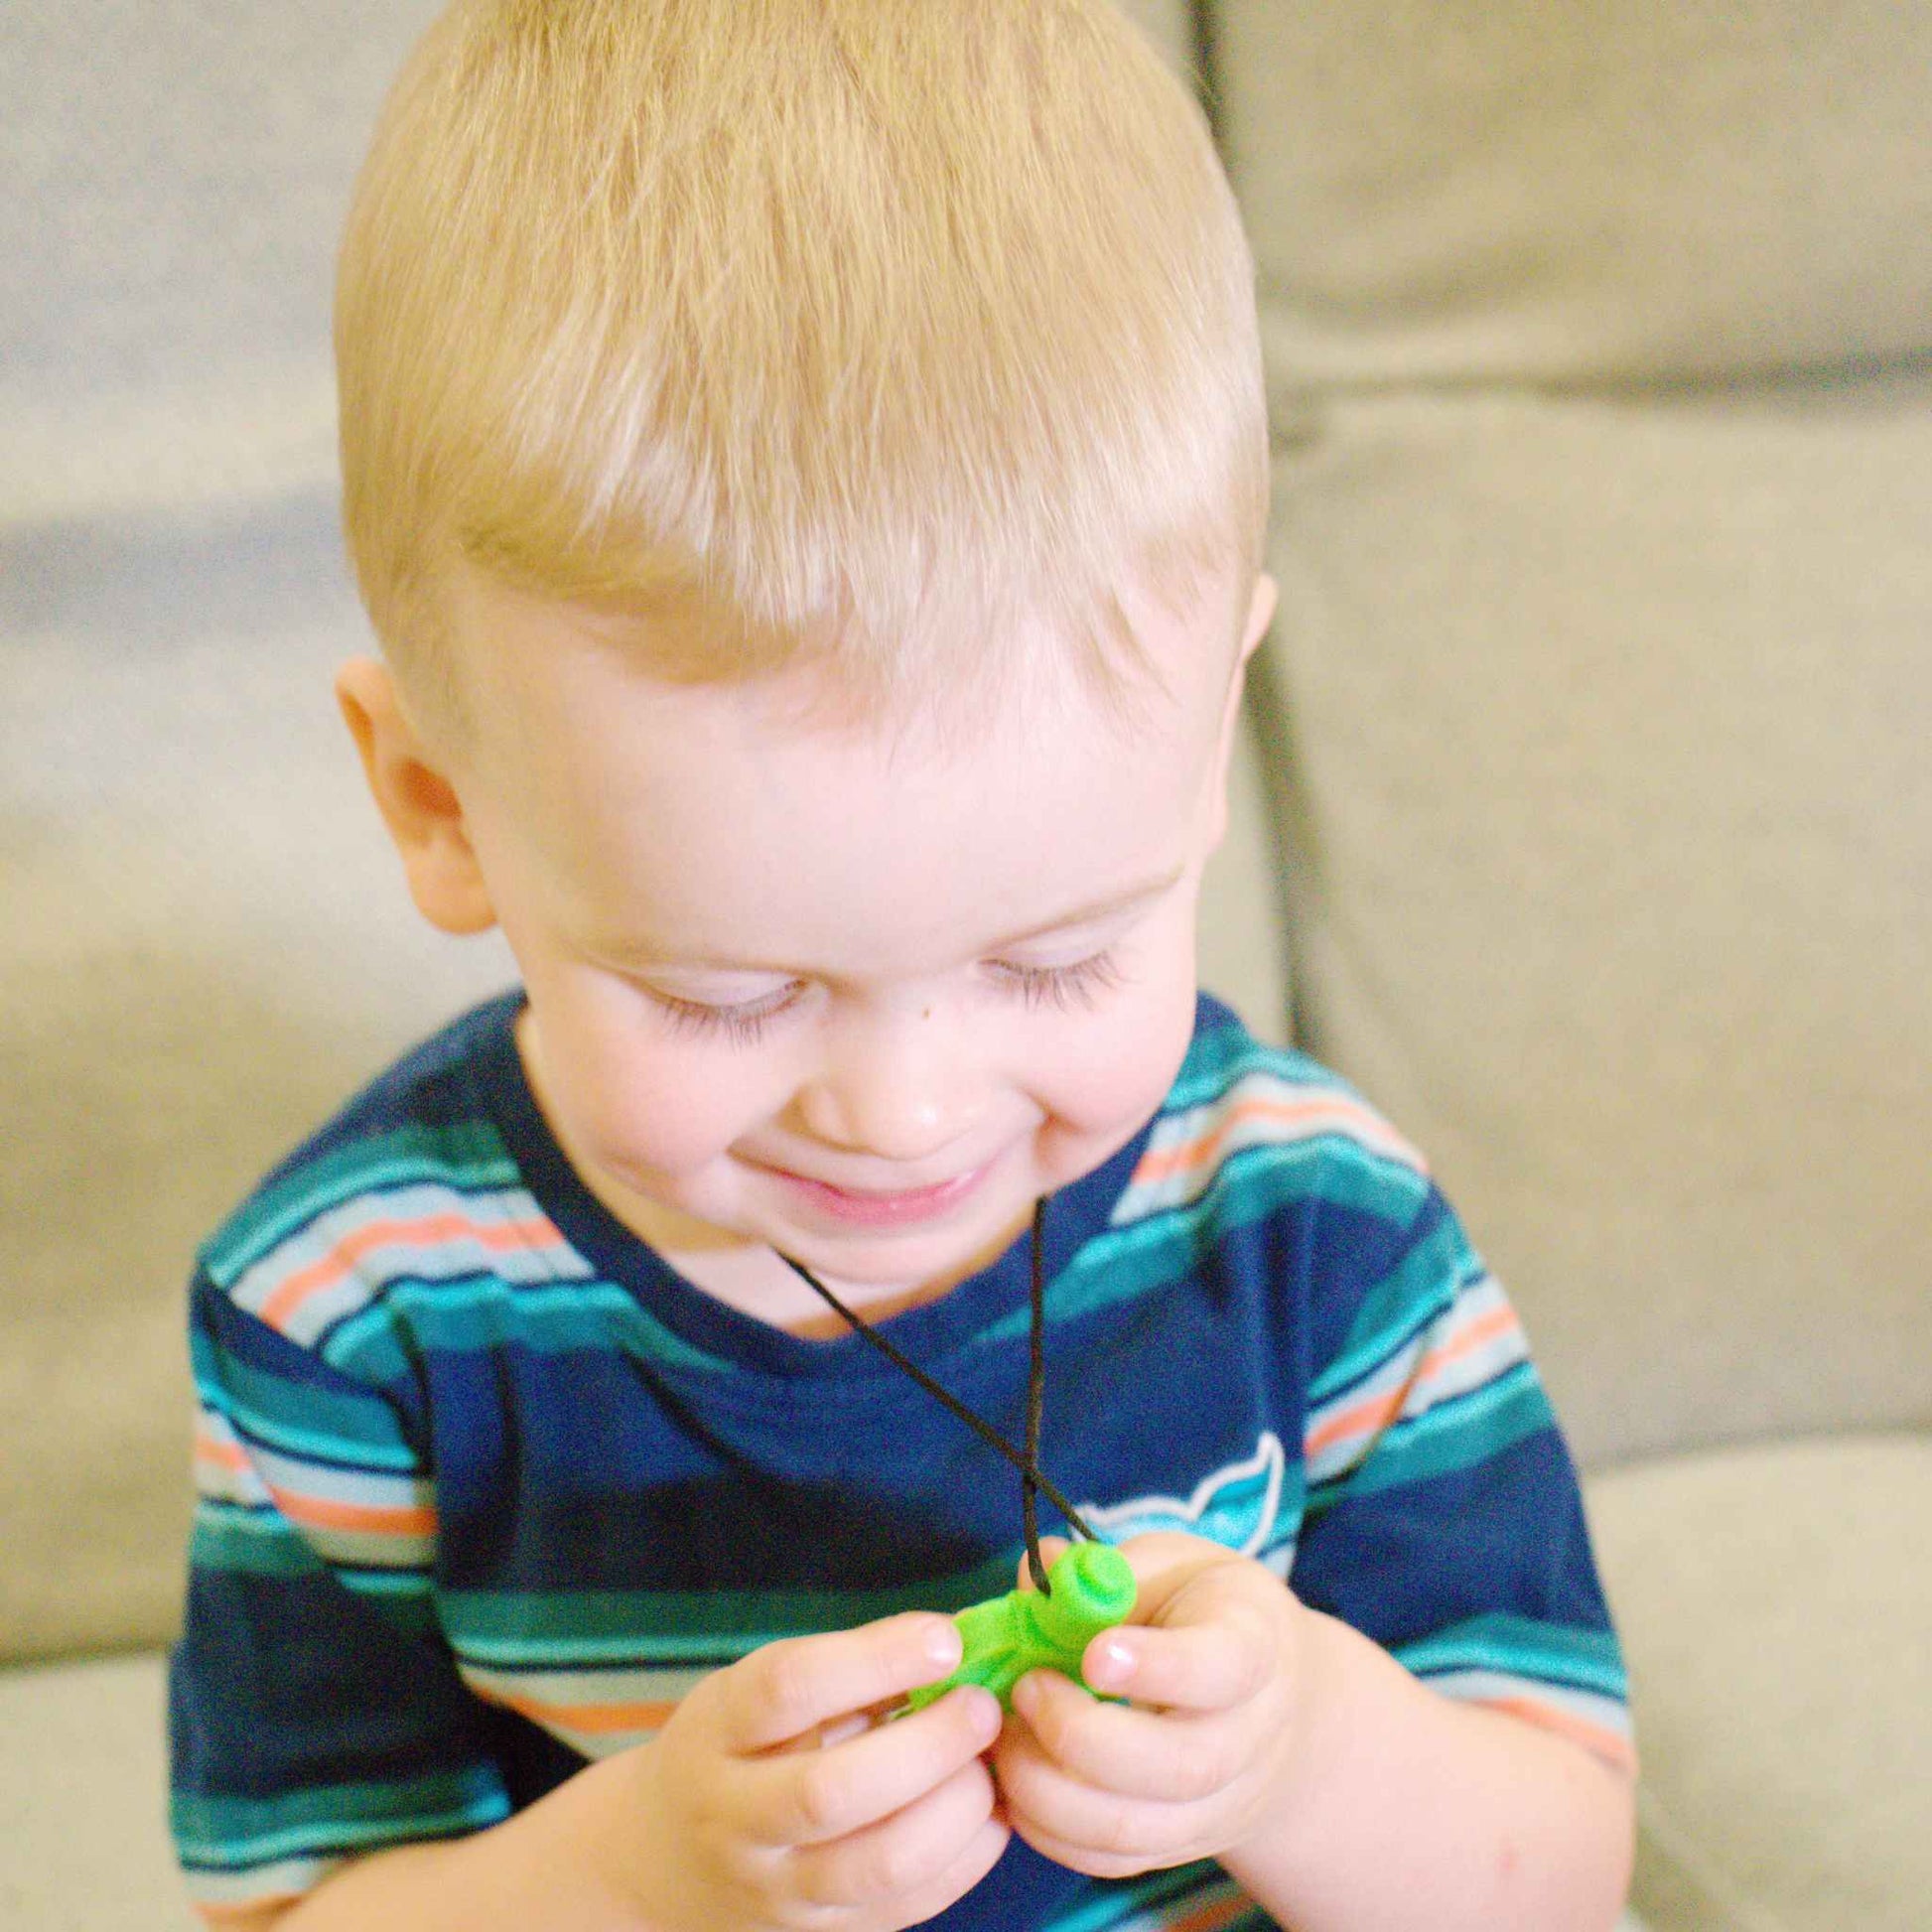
point(870, 1209)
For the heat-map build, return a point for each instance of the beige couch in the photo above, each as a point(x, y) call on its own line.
point(1593, 784)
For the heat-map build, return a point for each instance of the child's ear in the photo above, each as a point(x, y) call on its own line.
point(1260, 614)
point(418, 804)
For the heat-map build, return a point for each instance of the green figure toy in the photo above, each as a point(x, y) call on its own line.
point(1092, 1588)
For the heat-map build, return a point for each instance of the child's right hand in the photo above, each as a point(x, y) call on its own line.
point(768, 1800)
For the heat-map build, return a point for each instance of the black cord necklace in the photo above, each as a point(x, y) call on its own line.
point(1032, 1480)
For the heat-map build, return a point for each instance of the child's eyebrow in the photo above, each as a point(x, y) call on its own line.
point(1096, 911)
point(1089, 914)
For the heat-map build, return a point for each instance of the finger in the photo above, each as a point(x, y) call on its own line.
point(791, 1688)
point(841, 1728)
point(813, 1798)
point(1083, 1858)
point(1170, 1758)
point(903, 1854)
point(1051, 1548)
point(976, 1858)
point(1224, 1660)
point(1059, 1814)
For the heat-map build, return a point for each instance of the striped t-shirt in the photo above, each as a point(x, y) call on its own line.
point(485, 1487)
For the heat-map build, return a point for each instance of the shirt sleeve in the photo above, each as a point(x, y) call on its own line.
point(314, 1712)
point(1443, 1515)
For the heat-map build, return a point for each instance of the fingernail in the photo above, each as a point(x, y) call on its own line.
point(987, 1714)
point(1110, 1663)
point(944, 1645)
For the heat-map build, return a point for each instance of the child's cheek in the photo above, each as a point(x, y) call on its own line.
point(1110, 1069)
point(643, 1103)
point(649, 1119)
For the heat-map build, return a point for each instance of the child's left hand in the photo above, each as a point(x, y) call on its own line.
point(1201, 1757)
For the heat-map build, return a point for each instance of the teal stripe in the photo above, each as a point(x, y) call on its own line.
point(479, 1313)
point(406, 1598)
point(470, 1158)
point(229, 1540)
point(1147, 1256)
point(236, 1541)
point(1217, 1060)
point(297, 1418)
point(534, 1629)
point(1454, 1436)
point(226, 1833)
point(394, 1585)
point(1128, 1899)
point(1515, 1646)
point(1420, 1288)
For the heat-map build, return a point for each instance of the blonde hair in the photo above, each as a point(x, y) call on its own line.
point(874, 322)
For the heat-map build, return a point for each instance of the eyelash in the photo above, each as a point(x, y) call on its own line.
point(741, 1026)
point(1066, 987)
point(1062, 986)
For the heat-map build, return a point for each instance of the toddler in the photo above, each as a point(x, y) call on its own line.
point(805, 462)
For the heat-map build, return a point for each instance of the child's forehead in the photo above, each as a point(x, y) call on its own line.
point(729, 826)
point(539, 662)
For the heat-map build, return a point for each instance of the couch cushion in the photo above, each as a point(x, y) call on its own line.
point(1776, 1607)
point(1556, 191)
point(207, 947)
point(1600, 348)
point(1607, 724)
point(84, 1792)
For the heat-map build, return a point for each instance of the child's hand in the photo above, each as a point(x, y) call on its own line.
point(1200, 1758)
point(771, 1799)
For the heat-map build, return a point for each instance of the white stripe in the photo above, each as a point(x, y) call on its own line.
point(317, 1481)
point(1460, 1376)
point(1332, 1115)
point(441, 1259)
point(218, 1481)
point(289, 1876)
point(1491, 1687)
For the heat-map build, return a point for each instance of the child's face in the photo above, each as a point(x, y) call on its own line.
point(809, 989)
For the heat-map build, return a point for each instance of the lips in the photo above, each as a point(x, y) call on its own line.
point(882, 1209)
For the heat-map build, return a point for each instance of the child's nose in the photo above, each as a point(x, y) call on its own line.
point(898, 1088)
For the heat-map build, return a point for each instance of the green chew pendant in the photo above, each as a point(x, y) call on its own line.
point(1092, 1589)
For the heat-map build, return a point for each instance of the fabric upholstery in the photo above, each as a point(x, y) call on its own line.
point(1581, 192)
point(1608, 727)
point(1775, 1606)
point(1601, 362)
point(84, 1793)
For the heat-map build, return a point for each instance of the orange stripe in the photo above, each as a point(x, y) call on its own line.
point(1159, 1164)
point(408, 1519)
point(228, 1455)
point(1465, 1341)
point(245, 1914)
point(1372, 1412)
point(1214, 1914)
point(1605, 1743)
point(596, 1719)
point(499, 1237)
point(1365, 1418)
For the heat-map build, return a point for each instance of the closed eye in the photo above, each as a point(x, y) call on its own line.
point(743, 1025)
point(1079, 984)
